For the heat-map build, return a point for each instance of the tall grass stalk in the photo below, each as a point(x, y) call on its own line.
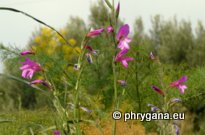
point(116, 101)
point(77, 85)
point(165, 105)
point(137, 81)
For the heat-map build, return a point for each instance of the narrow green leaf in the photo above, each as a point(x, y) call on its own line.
point(39, 21)
point(109, 4)
point(22, 81)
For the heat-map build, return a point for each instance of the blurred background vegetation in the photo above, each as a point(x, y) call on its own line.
point(179, 47)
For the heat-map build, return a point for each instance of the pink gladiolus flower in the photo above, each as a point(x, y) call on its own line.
point(110, 29)
point(43, 82)
point(29, 68)
point(179, 84)
point(123, 32)
point(122, 38)
point(158, 90)
point(27, 52)
point(121, 58)
point(95, 32)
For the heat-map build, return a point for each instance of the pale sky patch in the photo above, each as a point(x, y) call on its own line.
point(16, 29)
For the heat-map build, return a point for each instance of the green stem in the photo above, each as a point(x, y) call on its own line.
point(24, 81)
point(137, 82)
point(115, 93)
point(77, 91)
point(116, 101)
point(76, 108)
point(76, 105)
point(113, 9)
point(165, 106)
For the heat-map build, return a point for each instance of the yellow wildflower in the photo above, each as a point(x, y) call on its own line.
point(46, 31)
point(66, 49)
point(78, 50)
point(72, 41)
point(37, 39)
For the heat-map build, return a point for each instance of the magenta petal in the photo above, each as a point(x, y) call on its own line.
point(30, 74)
point(37, 81)
point(27, 52)
point(119, 56)
point(123, 52)
point(28, 60)
point(127, 40)
point(27, 73)
point(129, 59)
point(178, 82)
point(95, 32)
point(183, 79)
point(24, 67)
point(124, 63)
point(123, 45)
point(123, 32)
point(174, 84)
point(182, 88)
point(24, 73)
point(110, 29)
